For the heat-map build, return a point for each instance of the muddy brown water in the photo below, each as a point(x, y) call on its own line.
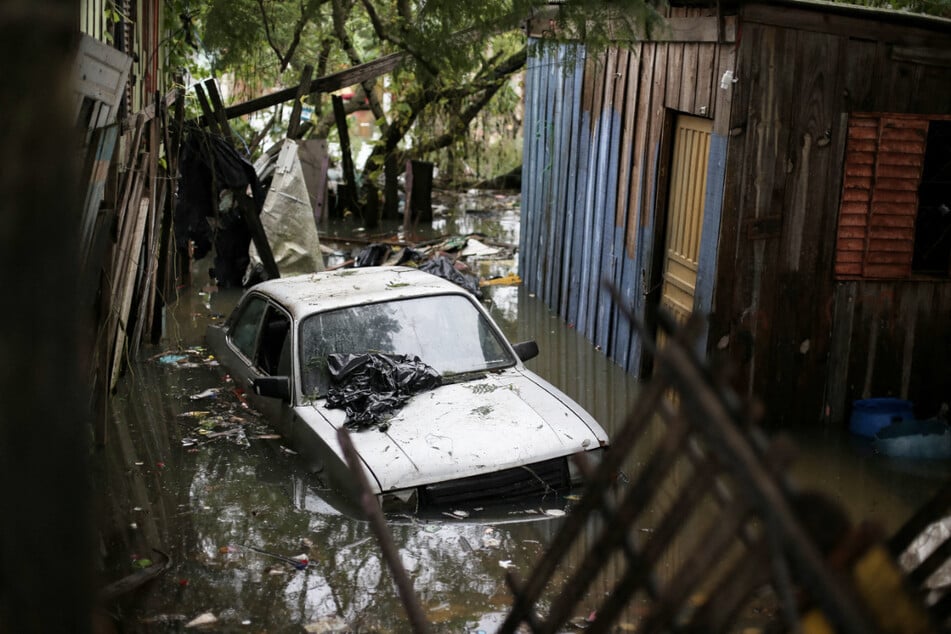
point(190, 472)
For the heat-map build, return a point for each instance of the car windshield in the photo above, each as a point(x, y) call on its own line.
point(446, 332)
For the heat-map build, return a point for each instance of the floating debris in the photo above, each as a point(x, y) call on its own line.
point(202, 619)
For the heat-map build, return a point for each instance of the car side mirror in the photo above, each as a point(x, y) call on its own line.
point(526, 350)
point(273, 387)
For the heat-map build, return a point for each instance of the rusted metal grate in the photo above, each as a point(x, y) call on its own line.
point(727, 527)
point(749, 534)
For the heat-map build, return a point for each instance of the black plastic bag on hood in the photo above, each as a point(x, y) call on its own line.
point(443, 267)
point(371, 386)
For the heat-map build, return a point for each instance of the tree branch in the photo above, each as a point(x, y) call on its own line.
point(340, 14)
point(305, 12)
point(269, 37)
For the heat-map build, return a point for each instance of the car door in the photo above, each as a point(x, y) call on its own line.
point(260, 339)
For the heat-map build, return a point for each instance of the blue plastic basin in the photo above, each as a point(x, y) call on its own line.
point(872, 414)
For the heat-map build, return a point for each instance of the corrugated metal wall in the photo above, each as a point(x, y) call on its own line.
point(595, 184)
point(593, 174)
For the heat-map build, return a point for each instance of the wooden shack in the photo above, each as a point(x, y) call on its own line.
point(781, 166)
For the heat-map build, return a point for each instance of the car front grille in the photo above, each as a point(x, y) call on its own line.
point(511, 484)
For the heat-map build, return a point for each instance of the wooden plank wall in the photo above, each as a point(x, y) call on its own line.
point(804, 343)
point(92, 18)
point(146, 29)
point(593, 132)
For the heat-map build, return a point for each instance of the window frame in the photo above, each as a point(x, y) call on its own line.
point(879, 201)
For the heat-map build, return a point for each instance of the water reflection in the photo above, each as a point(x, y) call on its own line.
point(217, 507)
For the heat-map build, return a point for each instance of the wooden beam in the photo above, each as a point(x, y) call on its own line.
point(675, 29)
point(328, 83)
point(217, 108)
point(258, 236)
point(209, 118)
point(895, 27)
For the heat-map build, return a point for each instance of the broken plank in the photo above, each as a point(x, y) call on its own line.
point(130, 262)
point(328, 83)
point(217, 108)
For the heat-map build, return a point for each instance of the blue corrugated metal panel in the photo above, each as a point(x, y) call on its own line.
point(588, 323)
point(591, 126)
point(547, 94)
point(530, 184)
point(574, 84)
point(611, 138)
point(710, 234)
point(627, 215)
point(551, 243)
point(580, 204)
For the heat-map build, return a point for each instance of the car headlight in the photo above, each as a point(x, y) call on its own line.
point(593, 458)
point(400, 501)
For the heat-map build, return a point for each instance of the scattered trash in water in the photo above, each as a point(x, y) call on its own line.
point(489, 540)
point(209, 393)
point(202, 619)
point(507, 564)
point(184, 359)
point(299, 562)
point(554, 512)
point(444, 267)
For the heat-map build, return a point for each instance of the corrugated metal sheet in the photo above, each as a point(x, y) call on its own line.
point(573, 146)
point(590, 178)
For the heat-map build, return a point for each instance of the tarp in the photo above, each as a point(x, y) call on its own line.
point(443, 267)
point(288, 218)
point(373, 385)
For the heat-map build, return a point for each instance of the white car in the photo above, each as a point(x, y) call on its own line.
point(493, 431)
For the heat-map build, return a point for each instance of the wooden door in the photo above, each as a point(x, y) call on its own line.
point(688, 183)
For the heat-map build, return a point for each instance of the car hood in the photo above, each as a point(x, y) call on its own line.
point(462, 429)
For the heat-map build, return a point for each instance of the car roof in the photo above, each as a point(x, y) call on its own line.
point(303, 295)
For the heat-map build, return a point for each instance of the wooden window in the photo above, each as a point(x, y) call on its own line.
point(891, 209)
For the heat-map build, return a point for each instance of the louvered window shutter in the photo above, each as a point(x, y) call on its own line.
point(884, 156)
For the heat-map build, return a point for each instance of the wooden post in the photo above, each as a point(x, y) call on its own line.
point(253, 220)
point(210, 119)
point(391, 195)
point(347, 197)
point(408, 202)
point(421, 197)
point(293, 125)
point(218, 111)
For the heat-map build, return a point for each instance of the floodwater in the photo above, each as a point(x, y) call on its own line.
point(191, 473)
